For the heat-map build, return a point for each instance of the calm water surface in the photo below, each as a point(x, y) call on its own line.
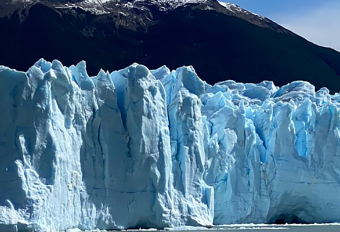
point(290, 228)
point(264, 228)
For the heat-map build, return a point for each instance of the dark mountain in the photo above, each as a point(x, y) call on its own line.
point(221, 42)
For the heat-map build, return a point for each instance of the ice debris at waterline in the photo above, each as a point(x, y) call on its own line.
point(139, 148)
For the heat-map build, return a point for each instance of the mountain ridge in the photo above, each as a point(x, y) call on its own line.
point(109, 6)
point(220, 43)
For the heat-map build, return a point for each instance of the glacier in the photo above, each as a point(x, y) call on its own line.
point(140, 148)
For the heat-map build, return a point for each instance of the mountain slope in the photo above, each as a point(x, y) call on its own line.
point(221, 42)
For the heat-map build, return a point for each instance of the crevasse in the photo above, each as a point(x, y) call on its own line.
point(160, 148)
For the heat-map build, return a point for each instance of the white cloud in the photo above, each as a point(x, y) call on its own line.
point(319, 25)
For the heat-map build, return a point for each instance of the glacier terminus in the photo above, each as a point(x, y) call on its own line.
point(140, 148)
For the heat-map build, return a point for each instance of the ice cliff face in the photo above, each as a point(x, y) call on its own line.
point(139, 148)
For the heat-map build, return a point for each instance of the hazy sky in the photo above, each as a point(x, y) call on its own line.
point(316, 20)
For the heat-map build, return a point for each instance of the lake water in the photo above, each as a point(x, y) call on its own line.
point(265, 228)
point(290, 228)
point(244, 228)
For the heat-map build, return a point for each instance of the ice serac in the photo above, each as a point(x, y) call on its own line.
point(137, 149)
point(95, 152)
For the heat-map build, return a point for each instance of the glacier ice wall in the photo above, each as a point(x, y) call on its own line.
point(160, 148)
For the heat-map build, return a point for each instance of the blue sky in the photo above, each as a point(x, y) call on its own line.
point(316, 20)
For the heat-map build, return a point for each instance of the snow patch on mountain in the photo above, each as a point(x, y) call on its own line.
point(173, 3)
point(105, 6)
point(236, 9)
